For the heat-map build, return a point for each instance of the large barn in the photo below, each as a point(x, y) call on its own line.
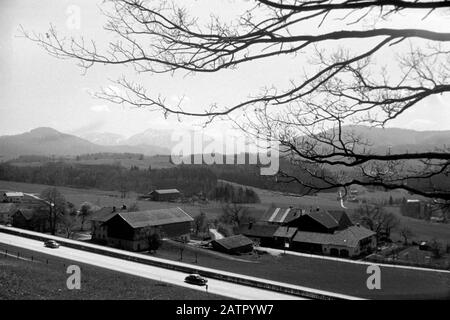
point(98, 228)
point(311, 230)
point(131, 230)
point(12, 196)
point(164, 195)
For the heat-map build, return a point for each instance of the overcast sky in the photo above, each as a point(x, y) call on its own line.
point(39, 90)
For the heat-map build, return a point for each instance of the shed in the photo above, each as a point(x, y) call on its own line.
point(233, 245)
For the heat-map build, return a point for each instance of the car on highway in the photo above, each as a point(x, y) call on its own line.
point(195, 278)
point(51, 244)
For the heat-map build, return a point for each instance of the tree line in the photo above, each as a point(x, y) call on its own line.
point(188, 179)
point(225, 192)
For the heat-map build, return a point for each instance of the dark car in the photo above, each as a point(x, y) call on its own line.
point(51, 244)
point(196, 279)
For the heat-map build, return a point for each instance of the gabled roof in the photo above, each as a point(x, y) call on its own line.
point(140, 219)
point(26, 213)
point(341, 217)
point(324, 218)
point(234, 242)
point(103, 214)
point(13, 194)
point(348, 237)
point(285, 232)
point(165, 191)
point(259, 230)
point(281, 215)
point(7, 207)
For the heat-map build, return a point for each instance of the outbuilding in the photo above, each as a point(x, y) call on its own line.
point(233, 245)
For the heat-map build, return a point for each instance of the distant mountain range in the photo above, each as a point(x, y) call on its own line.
point(48, 141)
point(400, 140)
point(161, 138)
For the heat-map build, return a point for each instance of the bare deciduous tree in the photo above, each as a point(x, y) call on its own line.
point(406, 234)
point(358, 74)
point(375, 218)
point(56, 204)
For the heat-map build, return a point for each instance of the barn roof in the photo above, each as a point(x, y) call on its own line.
point(260, 230)
point(348, 237)
point(234, 242)
point(140, 219)
point(165, 191)
point(103, 214)
point(13, 194)
point(281, 215)
point(285, 232)
point(324, 218)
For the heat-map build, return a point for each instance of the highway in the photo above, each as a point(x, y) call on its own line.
point(218, 287)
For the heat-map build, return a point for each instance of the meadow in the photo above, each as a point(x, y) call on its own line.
point(23, 279)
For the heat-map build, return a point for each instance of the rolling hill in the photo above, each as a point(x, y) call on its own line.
point(48, 141)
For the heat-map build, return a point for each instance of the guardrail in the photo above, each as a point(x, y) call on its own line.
point(183, 267)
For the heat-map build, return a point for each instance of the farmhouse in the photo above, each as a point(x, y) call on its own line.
point(98, 228)
point(164, 195)
point(131, 230)
point(233, 245)
point(312, 230)
point(13, 197)
point(352, 241)
point(22, 218)
point(6, 212)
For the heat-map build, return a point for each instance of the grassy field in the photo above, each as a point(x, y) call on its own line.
point(326, 200)
point(103, 198)
point(336, 276)
point(422, 230)
point(24, 279)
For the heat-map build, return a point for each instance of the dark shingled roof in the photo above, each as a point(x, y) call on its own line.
point(140, 219)
point(103, 214)
point(341, 217)
point(259, 230)
point(324, 218)
point(285, 232)
point(26, 213)
point(348, 237)
point(234, 242)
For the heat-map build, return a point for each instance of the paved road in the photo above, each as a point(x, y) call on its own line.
point(218, 287)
